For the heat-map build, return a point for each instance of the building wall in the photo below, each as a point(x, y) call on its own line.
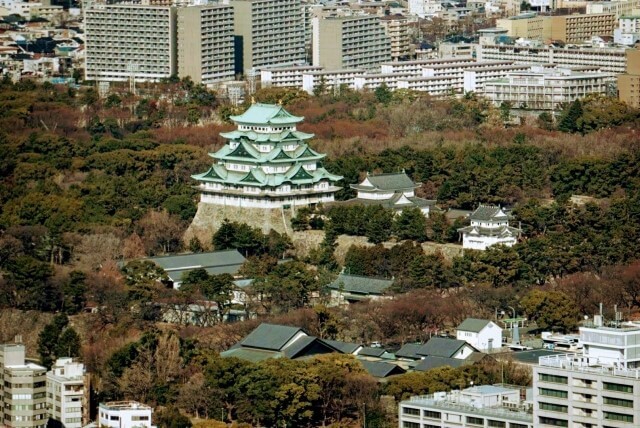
point(629, 83)
point(327, 43)
point(205, 43)
point(121, 37)
point(535, 27)
point(268, 33)
point(579, 28)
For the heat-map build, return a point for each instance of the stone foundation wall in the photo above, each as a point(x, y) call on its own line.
point(209, 217)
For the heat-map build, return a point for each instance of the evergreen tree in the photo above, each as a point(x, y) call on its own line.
point(411, 224)
point(378, 226)
point(570, 117)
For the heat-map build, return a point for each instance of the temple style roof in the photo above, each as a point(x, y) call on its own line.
point(247, 153)
point(257, 177)
point(361, 284)
point(491, 231)
point(386, 182)
point(271, 137)
point(487, 213)
point(266, 114)
point(397, 202)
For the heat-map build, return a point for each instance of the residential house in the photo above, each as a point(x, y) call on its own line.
point(484, 335)
point(489, 226)
point(355, 288)
point(382, 369)
point(124, 414)
point(393, 190)
point(438, 352)
point(278, 341)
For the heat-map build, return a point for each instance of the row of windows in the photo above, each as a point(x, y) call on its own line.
point(618, 402)
point(618, 417)
point(554, 407)
point(553, 393)
point(553, 421)
point(610, 386)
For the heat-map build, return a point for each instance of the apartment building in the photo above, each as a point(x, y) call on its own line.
point(438, 86)
point(610, 60)
point(597, 388)
point(527, 26)
point(415, 67)
point(124, 414)
point(396, 27)
point(456, 50)
point(268, 33)
point(546, 89)
point(285, 77)
point(329, 79)
point(22, 389)
point(66, 393)
point(373, 81)
point(473, 79)
point(629, 82)
point(124, 41)
point(205, 38)
point(580, 28)
point(478, 406)
point(628, 31)
point(347, 42)
point(618, 8)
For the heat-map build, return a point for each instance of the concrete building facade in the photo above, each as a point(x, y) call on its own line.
point(206, 43)
point(124, 414)
point(66, 393)
point(546, 89)
point(268, 33)
point(396, 27)
point(128, 40)
point(580, 28)
point(527, 26)
point(22, 389)
point(629, 82)
point(350, 42)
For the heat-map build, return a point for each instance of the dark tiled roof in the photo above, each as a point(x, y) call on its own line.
point(251, 354)
point(272, 337)
point(214, 262)
point(344, 347)
point(361, 284)
point(486, 212)
point(442, 347)
point(381, 369)
point(409, 350)
point(293, 350)
point(474, 325)
point(490, 231)
point(429, 363)
point(371, 352)
point(391, 181)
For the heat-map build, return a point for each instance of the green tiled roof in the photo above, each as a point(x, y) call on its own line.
point(441, 347)
point(251, 354)
point(259, 114)
point(265, 180)
point(247, 153)
point(390, 181)
point(381, 369)
point(185, 262)
point(259, 137)
point(474, 325)
point(487, 212)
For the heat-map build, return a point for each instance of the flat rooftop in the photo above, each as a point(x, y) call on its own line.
point(582, 364)
point(124, 405)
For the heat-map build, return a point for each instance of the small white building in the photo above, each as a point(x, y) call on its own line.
point(489, 226)
point(124, 414)
point(66, 392)
point(484, 335)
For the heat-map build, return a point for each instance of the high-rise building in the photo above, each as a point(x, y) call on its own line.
point(397, 28)
point(22, 389)
point(205, 43)
point(597, 388)
point(266, 163)
point(629, 82)
point(127, 41)
point(268, 33)
point(66, 391)
point(350, 42)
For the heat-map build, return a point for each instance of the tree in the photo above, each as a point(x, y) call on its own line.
point(570, 117)
point(73, 292)
point(550, 309)
point(383, 94)
point(31, 288)
point(410, 224)
point(378, 226)
point(57, 340)
point(171, 418)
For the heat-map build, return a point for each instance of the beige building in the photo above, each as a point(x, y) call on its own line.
point(397, 28)
point(22, 389)
point(580, 28)
point(527, 26)
point(268, 33)
point(125, 41)
point(619, 8)
point(629, 82)
point(205, 43)
point(67, 395)
point(350, 42)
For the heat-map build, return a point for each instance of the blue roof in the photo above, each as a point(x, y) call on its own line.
point(266, 114)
